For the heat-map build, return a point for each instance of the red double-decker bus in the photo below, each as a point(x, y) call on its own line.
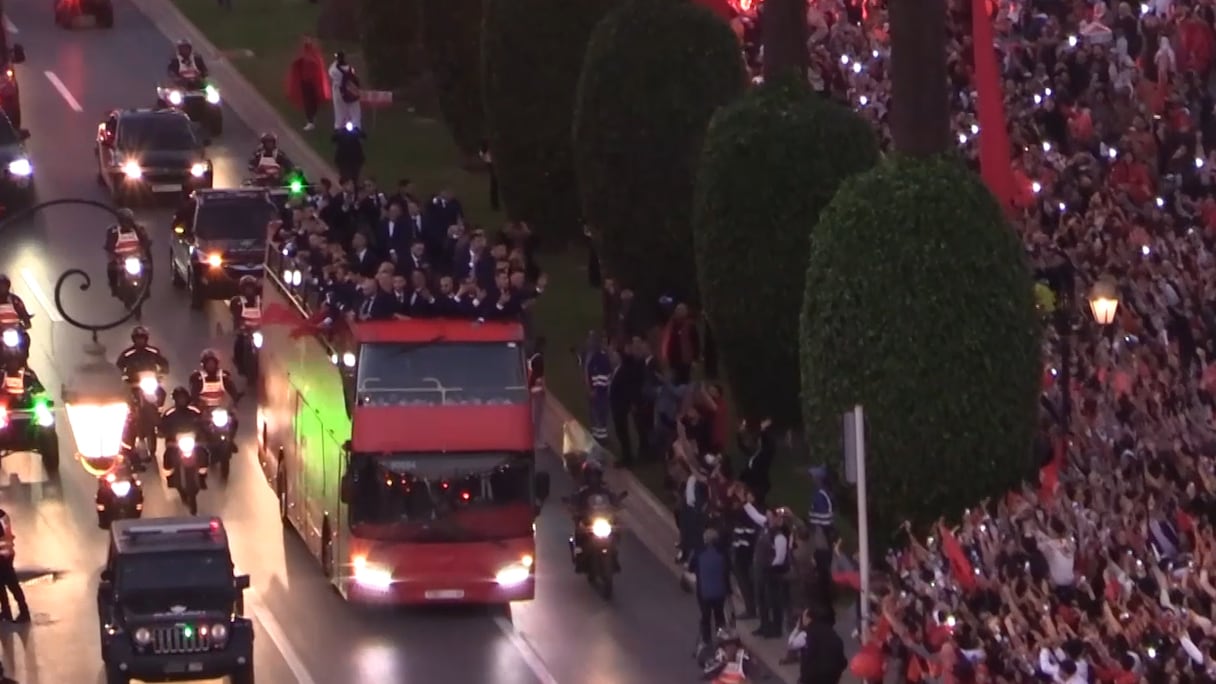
point(401, 451)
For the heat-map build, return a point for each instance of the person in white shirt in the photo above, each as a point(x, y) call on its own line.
point(347, 92)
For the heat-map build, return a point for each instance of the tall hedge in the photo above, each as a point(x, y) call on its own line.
point(390, 32)
point(919, 306)
point(452, 35)
point(643, 105)
point(532, 51)
point(772, 161)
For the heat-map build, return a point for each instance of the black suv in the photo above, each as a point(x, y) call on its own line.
point(169, 605)
point(143, 152)
point(218, 237)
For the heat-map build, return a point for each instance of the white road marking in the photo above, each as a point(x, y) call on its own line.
point(531, 658)
point(272, 628)
point(63, 90)
point(31, 281)
point(10, 26)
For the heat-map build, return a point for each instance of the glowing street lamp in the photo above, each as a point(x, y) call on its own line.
point(97, 399)
point(1104, 301)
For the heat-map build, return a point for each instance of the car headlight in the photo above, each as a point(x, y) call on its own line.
point(512, 575)
point(11, 338)
point(148, 384)
point(219, 632)
point(185, 444)
point(371, 575)
point(133, 266)
point(120, 488)
point(198, 170)
point(133, 170)
point(257, 339)
point(601, 528)
point(43, 415)
point(143, 636)
point(212, 94)
point(21, 167)
point(219, 418)
point(215, 260)
point(175, 98)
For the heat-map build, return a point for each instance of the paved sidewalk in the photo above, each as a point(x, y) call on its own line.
point(649, 519)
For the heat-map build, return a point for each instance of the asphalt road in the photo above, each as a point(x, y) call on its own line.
point(306, 633)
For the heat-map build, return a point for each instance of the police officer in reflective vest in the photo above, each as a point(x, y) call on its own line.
point(597, 372)
point(209, 384)
point(246, 310)
point(123, 239)
point(536, 390)
point(20, 382)
point(13, 313)
point(187, 68)
point(729, 664)
point(8, 575)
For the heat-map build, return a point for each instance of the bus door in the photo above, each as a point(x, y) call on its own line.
point(310, 474)
point(335, 468)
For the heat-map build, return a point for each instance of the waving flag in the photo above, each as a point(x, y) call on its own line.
point(996, 167)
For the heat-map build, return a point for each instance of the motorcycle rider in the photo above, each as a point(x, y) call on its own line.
point(141, 357)
point(12, 308)
point(246, 309)
point(20, 381)
point(268, 161)
point(593, 485)
point(183, 418)
point(126, 238)
point(210, 383)
point(187, 68)
point(730, 663)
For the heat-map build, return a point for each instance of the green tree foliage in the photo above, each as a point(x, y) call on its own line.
point(772, 161)
point(389, 35)
point(532, 51)
point(452, 34)
point(919, 306)
point(643, 105)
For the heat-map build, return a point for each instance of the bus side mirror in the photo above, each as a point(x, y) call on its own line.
point(241, 582)
point(344, 489)
point(541, 485)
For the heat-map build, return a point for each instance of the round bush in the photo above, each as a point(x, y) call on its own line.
point(772, 161)
point(644, 102)
point(532, 51)
point(919, 306)
point(451, 30)
point(389, 34)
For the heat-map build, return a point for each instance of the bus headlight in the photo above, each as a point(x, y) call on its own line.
point(220, 418)
point(601, 528)
point(513, 575)
point(257, 339)
point(371, 575)
point(12, 338)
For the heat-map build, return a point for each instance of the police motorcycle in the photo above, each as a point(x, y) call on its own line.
point(130, 283)
point(187, 464)
point(192, 94)
point(248, 333)
point(15, 342)
point(120, 496)
point(147, 399)
point(593, 548)
point(217, 438)
point(27, 422)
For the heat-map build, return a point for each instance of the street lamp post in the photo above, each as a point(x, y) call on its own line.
point(1103, 300)
point(95, 395)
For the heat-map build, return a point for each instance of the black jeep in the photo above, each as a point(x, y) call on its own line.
point(169, 605)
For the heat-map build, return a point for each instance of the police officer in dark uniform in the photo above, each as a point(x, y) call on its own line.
point(8, 574)
point(624, 393)
point(592, 485)
point(141, 357)
point(209, 384)
point(182, 418)
point(126, 238)
point(597, 371)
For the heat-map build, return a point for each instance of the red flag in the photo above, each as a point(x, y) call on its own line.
point(278, 314)
point(1049, 475)
point(311, 326)
point(959, 565)
point(996, 167)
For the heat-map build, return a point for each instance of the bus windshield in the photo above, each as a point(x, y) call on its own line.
point(441, 497)
point(441, 374)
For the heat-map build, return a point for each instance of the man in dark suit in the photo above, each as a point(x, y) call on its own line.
point(363, 260)
point(393, 234)
point(474, 261)
point(442, 211)
point(417, 259)
point(377, 303)
point(401, 293)
point(420, 303)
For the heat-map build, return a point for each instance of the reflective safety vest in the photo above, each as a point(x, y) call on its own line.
point(213, 391)
point(733, 672)
point(251, 315)
point(8, 313)
point(7, 538)
point(126, 243)
point(270, 163)
point(536, 385)
point(14, 384)
point(186, 68)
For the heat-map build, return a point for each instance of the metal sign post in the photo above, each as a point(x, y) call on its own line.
point(855, 473)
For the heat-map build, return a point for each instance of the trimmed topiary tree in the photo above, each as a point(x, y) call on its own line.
point(389, 35)
point(919, 306)
point(644, 102)
point(772, 161)
point(452, 34)
point(532, 51)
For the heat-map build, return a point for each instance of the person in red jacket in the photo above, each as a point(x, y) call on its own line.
point(1131, 176)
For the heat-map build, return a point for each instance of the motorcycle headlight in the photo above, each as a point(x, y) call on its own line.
point(219, 632)
point(133, 170)
point(212, 94)
point(185, 443)
point(43, 414)
point(143, 637)
point(21, 167)
point(220, 418)
point(120, 488)
point(11, 338)
point(148, 384)
point(257, 339)
point(601, 528)
point(133, 266)
point(198, 170)
point(175, 98)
